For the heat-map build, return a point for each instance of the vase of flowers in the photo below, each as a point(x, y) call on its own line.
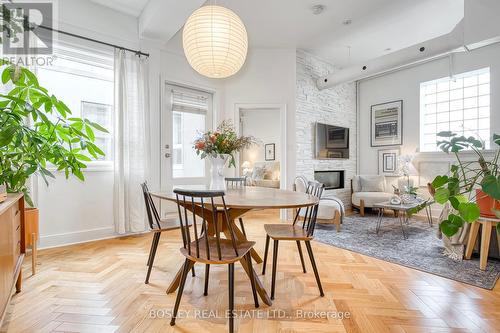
point(220, 146)
point(217, 165)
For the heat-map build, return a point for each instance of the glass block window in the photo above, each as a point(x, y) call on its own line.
point(460, 104)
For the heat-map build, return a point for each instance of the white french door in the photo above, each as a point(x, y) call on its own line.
point(185, 114)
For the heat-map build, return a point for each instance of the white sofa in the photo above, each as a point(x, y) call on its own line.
point(264, 174)
point(331, 209)
point(367, 190)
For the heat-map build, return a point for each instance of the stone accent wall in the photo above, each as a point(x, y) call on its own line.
point(335, 106)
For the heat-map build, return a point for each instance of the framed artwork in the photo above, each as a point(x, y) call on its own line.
point(337, 137)
point(388, 162)
point(387, 124)
point(334, 154)
point(269, 152)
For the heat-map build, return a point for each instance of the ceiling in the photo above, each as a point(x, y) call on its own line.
point(378, 27)
point(129, 7)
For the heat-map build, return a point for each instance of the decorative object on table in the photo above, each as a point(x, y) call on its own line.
point(220, 146)
point(270, 152)
point(396, 190)
point(409, 196)
point(3, 192)
point(468, 184)
point(395, 200)
point(406, 169)
point(387, 124)
point(215, 41)
point(388, 162)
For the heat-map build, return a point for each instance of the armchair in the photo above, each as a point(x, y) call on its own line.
point(331, 209)
point(367, 190)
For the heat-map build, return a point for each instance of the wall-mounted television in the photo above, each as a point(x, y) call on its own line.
point(331, 142)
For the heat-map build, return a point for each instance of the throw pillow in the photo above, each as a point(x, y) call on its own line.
point(258, 173)
point(372, 184)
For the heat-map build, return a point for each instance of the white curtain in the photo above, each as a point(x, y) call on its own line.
point(131, 145)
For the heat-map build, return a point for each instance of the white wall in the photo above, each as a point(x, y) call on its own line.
point(405, 85)
point(264, 125)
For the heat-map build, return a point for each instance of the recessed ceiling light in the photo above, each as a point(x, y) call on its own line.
point(317, 9)
point(346, 22)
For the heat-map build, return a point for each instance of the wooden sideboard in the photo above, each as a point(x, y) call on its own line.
point(12, 248)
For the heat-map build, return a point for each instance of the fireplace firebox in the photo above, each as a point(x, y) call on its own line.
point(332, 179)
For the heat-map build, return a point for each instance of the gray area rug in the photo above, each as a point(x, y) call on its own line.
point(422, 250)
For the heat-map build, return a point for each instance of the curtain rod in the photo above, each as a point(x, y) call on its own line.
point(137, 52)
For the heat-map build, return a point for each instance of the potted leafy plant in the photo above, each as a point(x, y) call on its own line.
point(472, 187)
point(37, 133)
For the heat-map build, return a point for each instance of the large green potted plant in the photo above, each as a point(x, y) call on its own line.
point(38, 133)
point(472, 188)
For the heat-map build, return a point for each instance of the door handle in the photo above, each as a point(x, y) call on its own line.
point(167, 155)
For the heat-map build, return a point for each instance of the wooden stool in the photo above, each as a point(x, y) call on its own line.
point(487, 224)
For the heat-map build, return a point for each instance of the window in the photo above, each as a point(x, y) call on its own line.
point(189, 116)
point(83, 77)
point(460, 104)
point(101, 114)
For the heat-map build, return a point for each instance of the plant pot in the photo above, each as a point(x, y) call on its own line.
point(217, 164)
point(3, 192)
point(31, 231)
point(486, 204)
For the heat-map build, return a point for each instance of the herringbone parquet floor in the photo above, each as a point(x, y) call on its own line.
point(99, 287)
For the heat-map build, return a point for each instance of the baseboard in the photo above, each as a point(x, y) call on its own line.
point(82, 236)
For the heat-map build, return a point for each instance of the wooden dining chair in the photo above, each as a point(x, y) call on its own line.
point(237, 182)
point(297, 233)
point(157, 226)
point(201, 247)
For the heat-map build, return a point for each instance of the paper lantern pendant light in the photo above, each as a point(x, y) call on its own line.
point(215, 41)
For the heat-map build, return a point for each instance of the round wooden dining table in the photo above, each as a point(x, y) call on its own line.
point(240, 201)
